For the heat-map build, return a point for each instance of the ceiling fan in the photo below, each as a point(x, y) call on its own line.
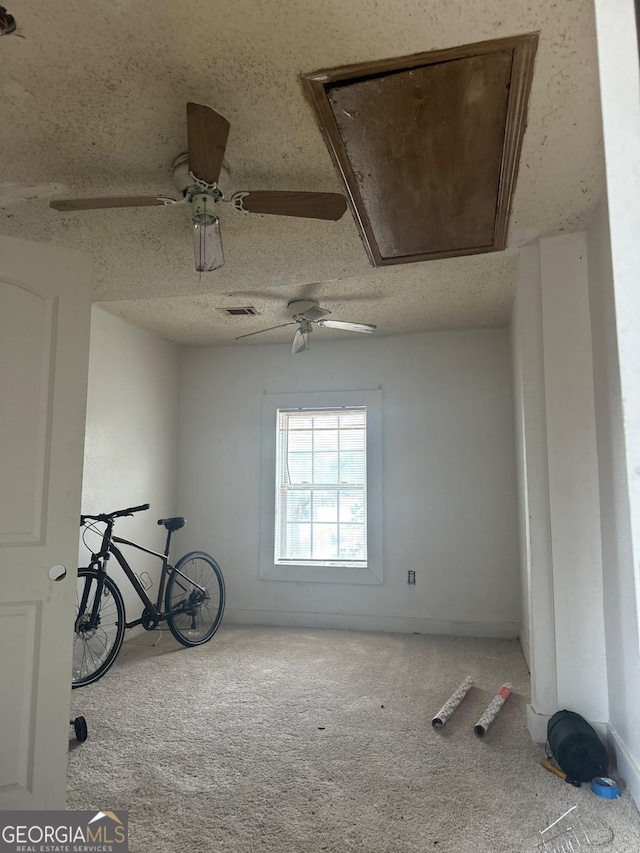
point(306, 313)
point(197, 175)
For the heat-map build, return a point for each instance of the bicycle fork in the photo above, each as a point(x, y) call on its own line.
point(81, 621)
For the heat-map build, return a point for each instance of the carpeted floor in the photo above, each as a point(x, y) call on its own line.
point(302, 741)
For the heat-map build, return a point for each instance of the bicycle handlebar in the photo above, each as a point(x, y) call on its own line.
point(119, 513)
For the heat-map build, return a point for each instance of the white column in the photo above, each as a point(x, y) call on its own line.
point(620, 95)
point(574, 499)
point(619, 66)
point(538, 634)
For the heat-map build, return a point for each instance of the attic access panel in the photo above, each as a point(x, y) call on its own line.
point(428, 145)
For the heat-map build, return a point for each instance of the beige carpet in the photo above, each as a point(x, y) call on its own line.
point(301, 741)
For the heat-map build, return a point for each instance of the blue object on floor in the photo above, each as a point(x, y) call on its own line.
point(602, 786)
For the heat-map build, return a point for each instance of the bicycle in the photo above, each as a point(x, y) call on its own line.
point(194, 598)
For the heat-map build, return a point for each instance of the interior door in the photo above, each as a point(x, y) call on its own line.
point(45, 302)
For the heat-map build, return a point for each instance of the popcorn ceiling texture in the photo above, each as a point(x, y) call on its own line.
point(409, 298)
point(93, 103)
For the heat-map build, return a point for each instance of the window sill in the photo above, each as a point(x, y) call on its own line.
point(305, 573)
point(324, 564)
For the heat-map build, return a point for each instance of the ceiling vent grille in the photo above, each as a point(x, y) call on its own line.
point(243, 311)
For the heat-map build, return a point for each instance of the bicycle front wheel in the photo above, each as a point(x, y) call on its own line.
point(194, 600)
point(95, 648)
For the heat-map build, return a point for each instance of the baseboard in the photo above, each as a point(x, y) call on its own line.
point(628, 768)
point(360, 622)
point(524, 645)
point(537, 725)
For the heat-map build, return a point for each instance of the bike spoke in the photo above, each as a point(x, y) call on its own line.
point(197, 590)
point(95, 645)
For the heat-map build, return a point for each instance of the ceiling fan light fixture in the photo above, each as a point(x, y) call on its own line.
point(207, 241)
point(300, 342)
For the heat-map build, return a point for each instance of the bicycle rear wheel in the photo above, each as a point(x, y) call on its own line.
point(95, 649)
point(200, 612)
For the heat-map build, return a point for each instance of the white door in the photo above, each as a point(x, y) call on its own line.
point(45, 301)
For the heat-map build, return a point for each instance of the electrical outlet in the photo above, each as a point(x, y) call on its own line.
point(411, 577)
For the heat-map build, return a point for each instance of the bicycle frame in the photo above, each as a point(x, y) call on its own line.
point(99, 561)
point(154, 609)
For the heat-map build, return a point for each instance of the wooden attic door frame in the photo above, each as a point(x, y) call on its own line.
point(524, 50)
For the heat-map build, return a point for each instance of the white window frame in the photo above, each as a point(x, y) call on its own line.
point(301, 572)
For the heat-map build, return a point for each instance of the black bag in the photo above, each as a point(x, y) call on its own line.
point(576, 747)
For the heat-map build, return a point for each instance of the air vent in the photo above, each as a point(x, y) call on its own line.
point(244, 311)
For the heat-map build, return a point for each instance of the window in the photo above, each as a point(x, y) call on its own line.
point(321, 493)
point(321, 487)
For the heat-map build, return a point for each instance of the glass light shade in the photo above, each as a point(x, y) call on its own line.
point(207, 243)
point(300, 342)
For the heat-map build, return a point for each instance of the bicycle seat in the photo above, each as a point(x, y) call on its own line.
point(173, 523)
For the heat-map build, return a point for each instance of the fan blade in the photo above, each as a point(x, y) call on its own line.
point(260, 331)
point(346, 326)
point(300, 342)
point(310, 205)
point(104, 203)
point(207, 133)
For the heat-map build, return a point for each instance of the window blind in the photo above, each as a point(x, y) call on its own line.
point(321, 486)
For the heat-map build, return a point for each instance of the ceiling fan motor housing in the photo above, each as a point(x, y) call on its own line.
point(183, 179)
point(306, 309)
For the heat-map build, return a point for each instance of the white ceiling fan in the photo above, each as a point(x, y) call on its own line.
point(306, 313)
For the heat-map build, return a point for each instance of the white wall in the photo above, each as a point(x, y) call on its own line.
point(537, 634)
point(559, 502)
point(623, 661)
point(619, 65)
point(521, 484)
point(449, 481)
point(573, 477)
point(131, 440)
point(590, 340)
point(620, 95)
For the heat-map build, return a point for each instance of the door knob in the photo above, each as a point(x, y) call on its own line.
point(57, 573)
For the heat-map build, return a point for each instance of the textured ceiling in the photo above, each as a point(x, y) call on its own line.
point(93, 103)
